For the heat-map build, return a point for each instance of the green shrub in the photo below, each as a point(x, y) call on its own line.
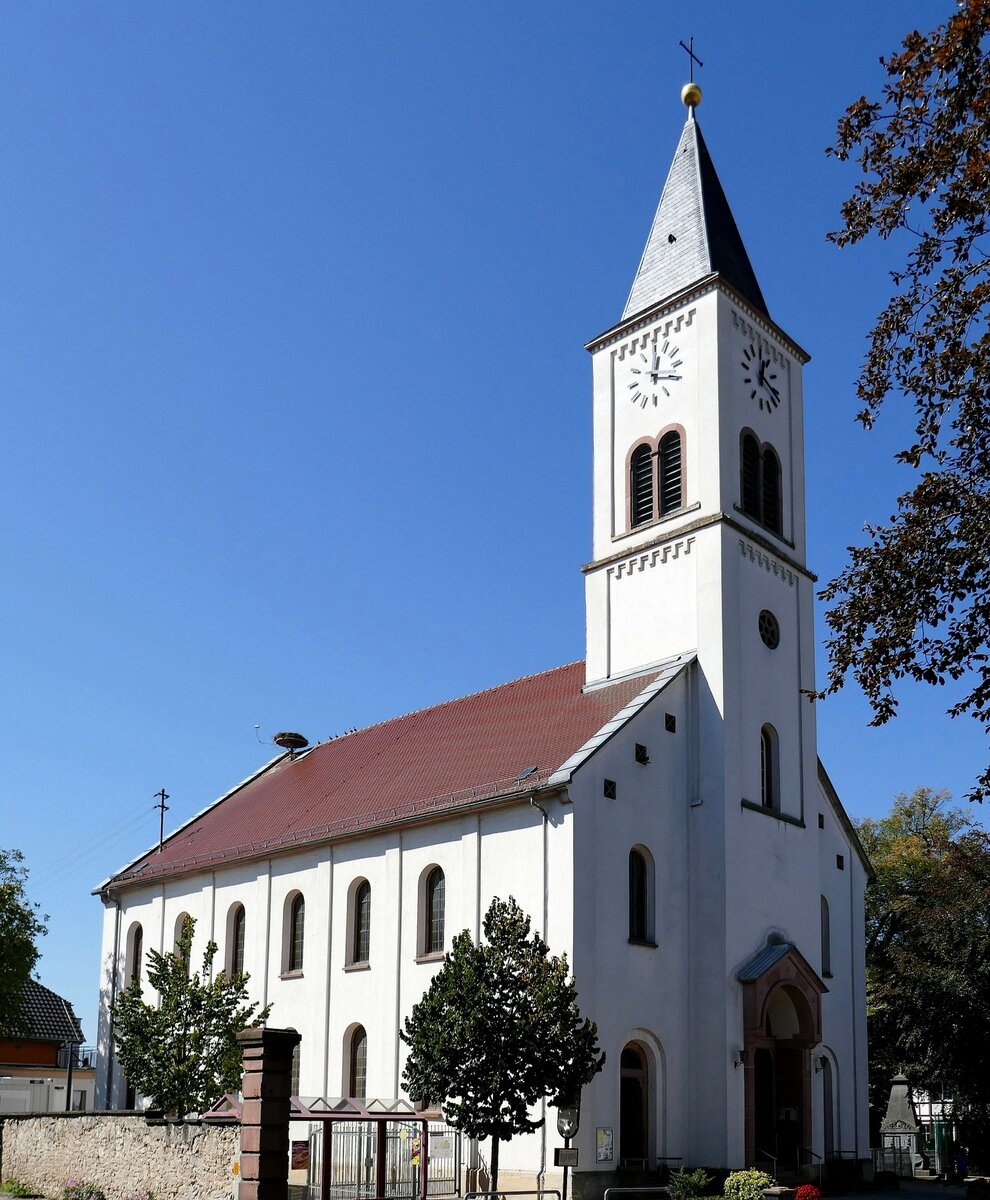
point(684, 1184)
point(81, 1189)
point(13, 1187)
point(747, 1185)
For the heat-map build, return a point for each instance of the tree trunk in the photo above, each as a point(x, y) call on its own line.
point(493, 1184)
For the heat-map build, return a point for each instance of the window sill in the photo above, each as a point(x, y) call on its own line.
point(357, 966)
point(433, 956)
point(772, 812)
point(664, 520)
point(774, 533)
point(291, 974)
point(827, 975)
point(650, 945)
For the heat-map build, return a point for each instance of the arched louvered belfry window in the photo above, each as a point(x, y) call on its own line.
point(750, 489)
point(670, 472)
point(771, 489)
point(760, 483)
point(641, 485)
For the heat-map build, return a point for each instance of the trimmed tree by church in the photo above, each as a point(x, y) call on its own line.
point(182, 1053)
point(498, 1030)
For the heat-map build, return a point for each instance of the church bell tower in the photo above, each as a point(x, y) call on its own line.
point(699, 522)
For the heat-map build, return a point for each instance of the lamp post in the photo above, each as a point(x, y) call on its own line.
point(568, 1119)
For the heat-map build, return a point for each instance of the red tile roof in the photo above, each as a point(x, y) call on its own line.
point(430, 761)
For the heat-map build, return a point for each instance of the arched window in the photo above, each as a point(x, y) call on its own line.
point(751, 470)
point(760, 483)
point(656, 479)
point(433, 932)
point(826, 941)
point(670, 473)
point(184, 954)
point(295, 922)
point(771, 490)
point(641, 485)
point(294, 1071)
point(357, 1073)
point(361, 923)
point(641, 895)
point(135, 955)
point(769, 768)
point(235, 940)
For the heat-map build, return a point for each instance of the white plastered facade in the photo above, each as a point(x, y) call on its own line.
point(728, 874)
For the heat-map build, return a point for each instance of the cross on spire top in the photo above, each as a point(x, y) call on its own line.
point(693, 58)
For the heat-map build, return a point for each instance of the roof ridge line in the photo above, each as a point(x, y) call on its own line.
point(414, 712)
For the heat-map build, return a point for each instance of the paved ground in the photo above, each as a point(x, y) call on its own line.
point(922, 1189)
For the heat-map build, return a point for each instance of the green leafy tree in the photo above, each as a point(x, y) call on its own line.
point(21, 924)
point(182, 1053)
point(498, 1030)
point(928, 954)
point(915, 601)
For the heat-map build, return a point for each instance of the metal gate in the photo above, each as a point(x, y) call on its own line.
point(354, 1168)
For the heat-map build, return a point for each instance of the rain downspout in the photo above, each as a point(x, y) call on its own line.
point(546, 936)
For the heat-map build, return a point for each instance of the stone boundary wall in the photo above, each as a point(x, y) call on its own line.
point(123, 1154)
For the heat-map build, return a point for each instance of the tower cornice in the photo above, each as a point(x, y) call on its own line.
point(702, 287)
point(763, 544)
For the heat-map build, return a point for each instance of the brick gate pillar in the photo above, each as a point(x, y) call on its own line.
point(265, 1112)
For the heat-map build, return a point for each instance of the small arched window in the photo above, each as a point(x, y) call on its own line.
point(235, 940)
point(433, 941)
point(760, 483)
point(357, 1074)
point(295, 939)
point(826, 941)
point(361, 927)
point(641, 895)
point(294, 1071)
point(670, 473)
point(136, 955)
point(183, 952)
point(641, 485)
point(769, 768)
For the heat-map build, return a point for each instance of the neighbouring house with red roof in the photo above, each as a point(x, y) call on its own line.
point(46, 1068)
point(659, 808)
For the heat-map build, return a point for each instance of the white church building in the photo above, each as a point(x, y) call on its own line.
point(659, 809)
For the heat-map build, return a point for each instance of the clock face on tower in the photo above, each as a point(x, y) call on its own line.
point(652, 372)
point(760, 376)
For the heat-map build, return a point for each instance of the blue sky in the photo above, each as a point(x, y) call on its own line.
point(293, 300)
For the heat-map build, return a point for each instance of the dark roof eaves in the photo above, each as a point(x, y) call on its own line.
point(110, 881)
point(189, 867)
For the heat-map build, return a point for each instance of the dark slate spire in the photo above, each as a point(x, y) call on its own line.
point(693, 234)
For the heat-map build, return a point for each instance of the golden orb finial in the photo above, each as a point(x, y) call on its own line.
point(691, 95)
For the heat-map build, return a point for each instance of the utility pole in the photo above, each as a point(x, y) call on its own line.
point(163, 809)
